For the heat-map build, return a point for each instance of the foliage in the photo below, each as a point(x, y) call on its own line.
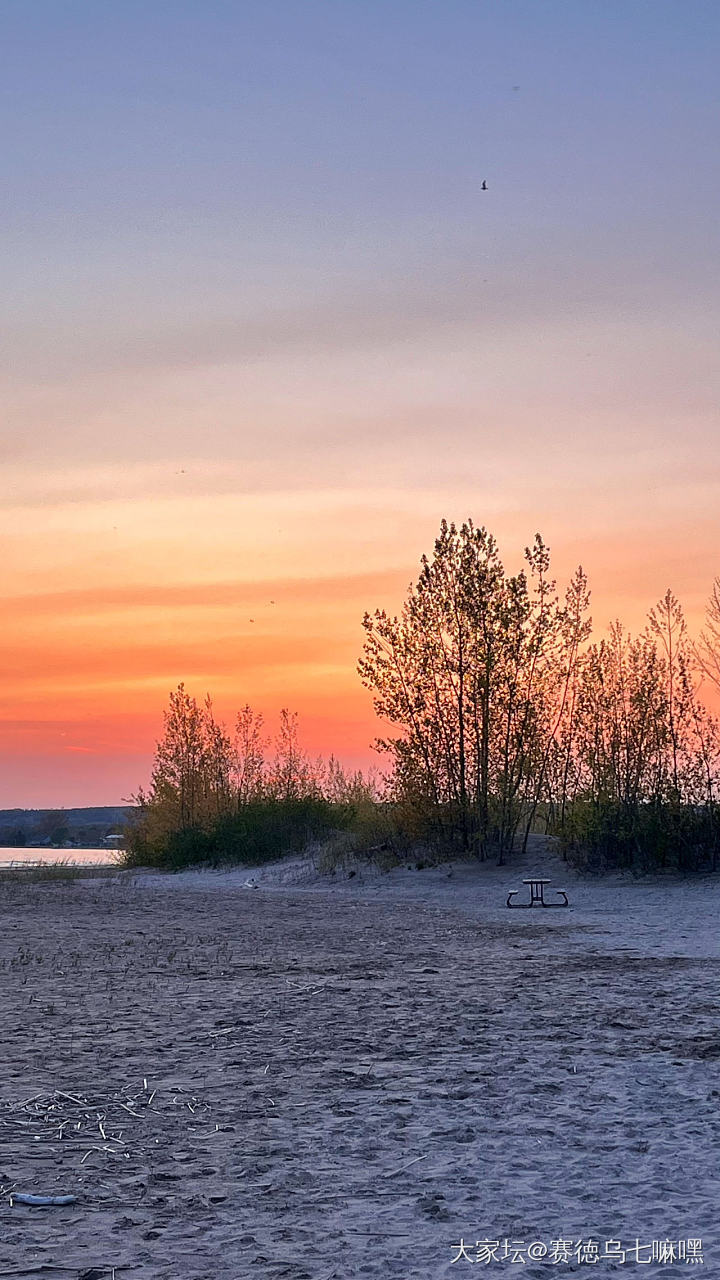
point(503, 711)
point(53, 827)
point(645, 753)
point(475, 674)
point(214, 799)
point(501, 714)
point(706, 650)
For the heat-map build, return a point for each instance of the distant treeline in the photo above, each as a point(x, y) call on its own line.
point(84, 826)
point(503, 716)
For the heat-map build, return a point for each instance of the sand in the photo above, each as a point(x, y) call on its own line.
point(272, 1074)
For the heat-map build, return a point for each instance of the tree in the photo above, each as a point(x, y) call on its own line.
point(707, 649)
point(178, 770)
point(471, 674)
point(574, 630)
point(666, 621)
point(250, 765)
point(218, 765)
point(291, 777)
point(191, 780)
point(53, 827)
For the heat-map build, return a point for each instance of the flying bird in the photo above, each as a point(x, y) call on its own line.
point(484, 186)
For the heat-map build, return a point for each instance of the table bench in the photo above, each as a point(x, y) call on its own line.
point(536, 886)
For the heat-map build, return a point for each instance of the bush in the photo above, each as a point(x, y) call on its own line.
point(256, 832)
point(651, 837)
point(268, 828)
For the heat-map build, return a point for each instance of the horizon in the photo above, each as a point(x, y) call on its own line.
point(264, 329)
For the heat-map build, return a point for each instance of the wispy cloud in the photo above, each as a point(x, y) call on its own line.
point(278, 594)
point(432, 303)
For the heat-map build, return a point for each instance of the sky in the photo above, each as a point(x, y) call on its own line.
point(262, 329)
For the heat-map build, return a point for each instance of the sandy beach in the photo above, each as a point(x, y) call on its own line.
point(268, 1073)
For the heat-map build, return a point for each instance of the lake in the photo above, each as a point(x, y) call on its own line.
point(95, 856)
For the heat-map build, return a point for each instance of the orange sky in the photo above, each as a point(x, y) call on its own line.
point(111, 601)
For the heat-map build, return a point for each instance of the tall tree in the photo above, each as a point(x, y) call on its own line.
point(250, 763)
point(468, 674)
point(707, 649)
point(291, 776)
point(666, 621)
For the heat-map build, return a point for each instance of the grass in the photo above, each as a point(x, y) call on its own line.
point(64, 870)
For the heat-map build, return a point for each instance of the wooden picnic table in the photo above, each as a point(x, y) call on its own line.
point(536, 885)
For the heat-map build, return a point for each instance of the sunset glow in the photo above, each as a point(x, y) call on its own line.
point(260, 340)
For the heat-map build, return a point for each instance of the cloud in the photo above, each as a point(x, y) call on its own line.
point(457, 289)
point(278, 594)
point(57, 664)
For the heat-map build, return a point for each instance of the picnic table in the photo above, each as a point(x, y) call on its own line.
point(536, 885)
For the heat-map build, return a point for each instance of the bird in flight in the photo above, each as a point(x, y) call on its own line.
point(484, 186)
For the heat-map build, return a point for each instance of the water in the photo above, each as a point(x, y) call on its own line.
point(78, 857)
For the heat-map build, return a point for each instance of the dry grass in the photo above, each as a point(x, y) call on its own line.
point(53, 872)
